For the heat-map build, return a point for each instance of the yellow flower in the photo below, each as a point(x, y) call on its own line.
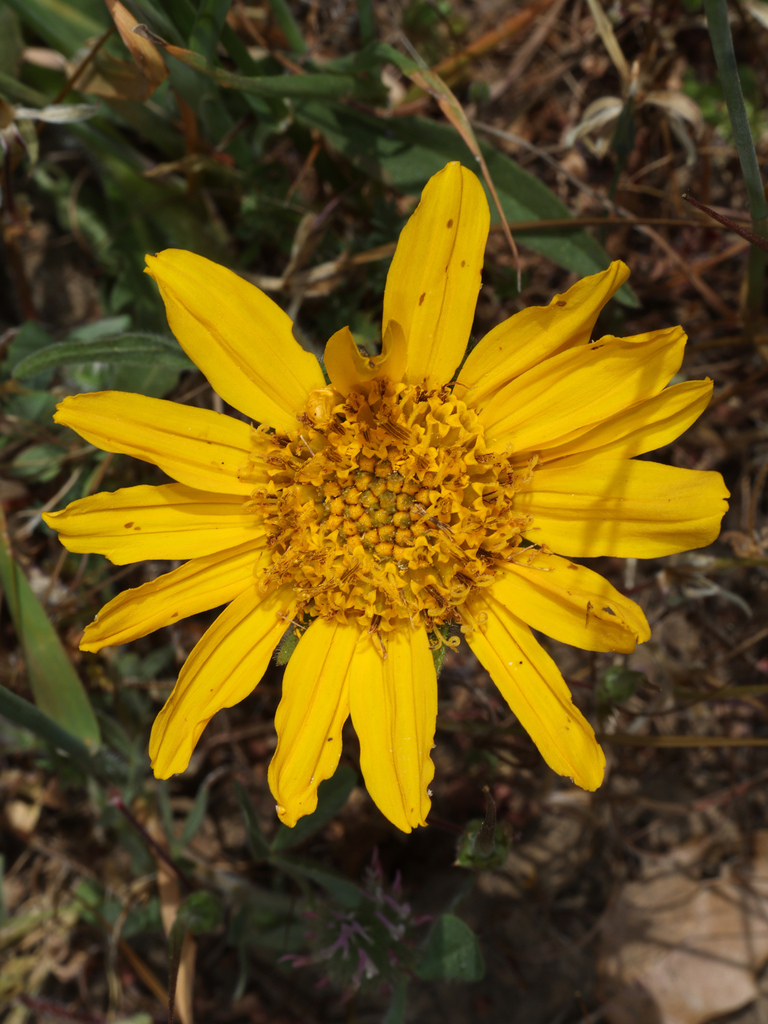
point(391, 506)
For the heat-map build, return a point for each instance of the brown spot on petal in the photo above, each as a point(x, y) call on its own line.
point(128, 525)
point(422, 297)
point(450, 223)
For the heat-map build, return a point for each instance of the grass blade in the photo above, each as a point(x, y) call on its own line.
point(57, 689)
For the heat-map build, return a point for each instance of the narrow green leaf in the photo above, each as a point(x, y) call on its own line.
point(366, 21)
point(396, 1011)
point(257, 844)
point(139, 348)
point(211, 15)
point(340, 889)
point(57, 689)
point(316, 85)
point(332, 794)
point(195, 816)
point(452, 952)
point(22, 713)
point(11, 41)
point(287, 23)
point(65, 26)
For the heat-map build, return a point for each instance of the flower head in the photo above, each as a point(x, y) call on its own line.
point(396, 503)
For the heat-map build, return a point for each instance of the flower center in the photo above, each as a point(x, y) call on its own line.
point(385, 507)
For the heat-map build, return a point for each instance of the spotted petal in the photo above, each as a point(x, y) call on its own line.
point(569, 603)
point(197, 447)
point(196, 586)
point(434, 277)
point(580, 387)
point(641, 428)
point(224, 667)
point(536, 333)
point(239, 337)
point(170, 521)
point(531, 684)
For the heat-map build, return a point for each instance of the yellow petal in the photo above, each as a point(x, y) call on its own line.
point(224, 667)
point(622, 507)
point(531, 684)
point(434, 277)
point(570, 603)
point(200, 448)
point(239, 337)
point(310, 717)
point(580, 387)
point(536, 333)
point(170, 521)
point(196, 586)
point(349, 369)
point(393, 703)
point(642, 428)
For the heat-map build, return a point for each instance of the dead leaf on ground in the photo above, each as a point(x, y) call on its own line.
point(680, 950)
point(169, 891)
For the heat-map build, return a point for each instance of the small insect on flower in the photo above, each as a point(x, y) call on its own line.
point(394, 507)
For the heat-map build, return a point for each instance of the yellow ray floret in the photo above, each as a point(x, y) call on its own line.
point(392, 509)
point(239, 337)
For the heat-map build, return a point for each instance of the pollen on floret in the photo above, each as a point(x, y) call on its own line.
point(385, 507)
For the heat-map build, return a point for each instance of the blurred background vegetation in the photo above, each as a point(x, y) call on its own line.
point(290, 141)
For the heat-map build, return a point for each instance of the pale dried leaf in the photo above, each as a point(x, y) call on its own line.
point(683, 949)
point(759, 11)
point(610, 42)
point(145, 54)
point(169, 893)
point(599, 117)
point(677, 103)
point(59, 114)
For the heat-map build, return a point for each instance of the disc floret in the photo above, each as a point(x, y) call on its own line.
point(386, 507)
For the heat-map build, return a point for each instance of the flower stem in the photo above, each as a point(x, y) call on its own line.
point(722, 45)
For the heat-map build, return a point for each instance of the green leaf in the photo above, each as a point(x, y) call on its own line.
point(65, 26)
point(30, 339)
point(452, 952)
point(396, 1011)
point(11, 41)
point(618, 684)
point(344, 892)
point(57, 689)
point(200, 913)
point(287, 23)
point(195, 816)
point(133, 348)
point(366, 21)
point(332, 794)
point(404, 152)
point(257, 844)
point(211, 15)
point(314, 84)
point(38, 462)
point(23, 713)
